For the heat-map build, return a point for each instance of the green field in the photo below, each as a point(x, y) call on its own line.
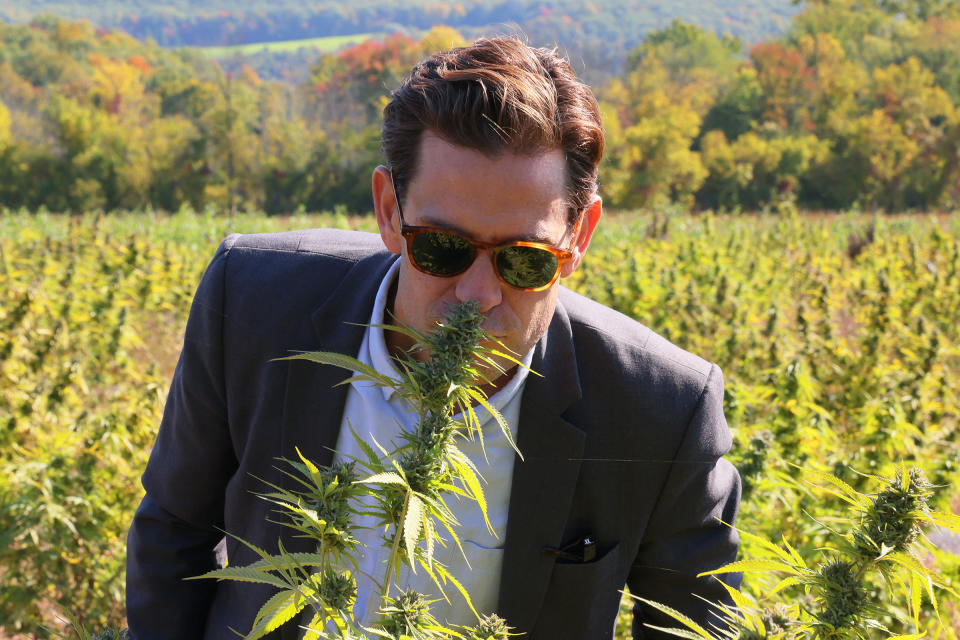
point(325, 45)
point(839, 337)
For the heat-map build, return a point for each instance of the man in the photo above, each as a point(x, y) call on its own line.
point(491, 196)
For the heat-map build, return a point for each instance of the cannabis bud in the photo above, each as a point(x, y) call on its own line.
point(321, 510)
point(776, 619)
point(891, 523)
point(491, 627)
point(842, 594)
point(754, 459)
point(406, 615)
point(338, 590)
point(451, 346)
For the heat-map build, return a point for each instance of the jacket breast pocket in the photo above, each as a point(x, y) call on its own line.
point(583, 598)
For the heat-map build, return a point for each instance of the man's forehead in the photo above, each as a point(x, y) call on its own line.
point(544, 165)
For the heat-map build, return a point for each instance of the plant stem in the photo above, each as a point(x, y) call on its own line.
point(397, 533)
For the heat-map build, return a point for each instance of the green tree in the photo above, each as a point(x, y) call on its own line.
point(739, 107)
point(690, 54)
point(649, 160)
point(6, 136)
point(670, 83)
point(228, 128)
point(753, 172)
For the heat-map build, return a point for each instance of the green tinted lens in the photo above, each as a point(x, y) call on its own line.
point(526, 267)
point(441, 254)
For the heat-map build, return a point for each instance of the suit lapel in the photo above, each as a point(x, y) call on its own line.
point(313, 404)
point(544, 482)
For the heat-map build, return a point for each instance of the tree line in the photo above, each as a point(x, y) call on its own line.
point(856, 105)
point(600, 32)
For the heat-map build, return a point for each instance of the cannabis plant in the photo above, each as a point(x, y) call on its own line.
point(859, 581)
point(80, 632)
point(408, 487)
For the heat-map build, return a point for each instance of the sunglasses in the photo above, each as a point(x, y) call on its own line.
point(528, 266)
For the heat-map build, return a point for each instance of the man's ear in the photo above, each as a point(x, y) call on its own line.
point(385, 206)
point(588, 224)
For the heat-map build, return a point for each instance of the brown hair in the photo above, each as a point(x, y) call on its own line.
point(493, 96)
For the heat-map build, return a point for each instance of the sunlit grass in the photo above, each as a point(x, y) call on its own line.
point(326, 45)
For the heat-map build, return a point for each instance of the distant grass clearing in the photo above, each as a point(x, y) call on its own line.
point(327, 44)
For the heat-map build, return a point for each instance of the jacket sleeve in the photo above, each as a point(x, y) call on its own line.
point(690, 530)
point(180, 520)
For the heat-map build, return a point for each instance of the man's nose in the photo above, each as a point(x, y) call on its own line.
point(480, 284)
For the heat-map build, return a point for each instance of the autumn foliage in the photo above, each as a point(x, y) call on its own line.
point(856, 106)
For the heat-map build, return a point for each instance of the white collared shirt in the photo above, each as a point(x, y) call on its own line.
point(376, 413)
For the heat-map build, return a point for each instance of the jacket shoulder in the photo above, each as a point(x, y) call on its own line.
point(622, 337)
point(305, 262)
point(653, 389)
point(269, 285)
point(335, 243)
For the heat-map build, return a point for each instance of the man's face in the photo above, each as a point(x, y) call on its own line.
point(488, 199)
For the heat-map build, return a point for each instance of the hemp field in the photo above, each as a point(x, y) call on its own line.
point(837, 334)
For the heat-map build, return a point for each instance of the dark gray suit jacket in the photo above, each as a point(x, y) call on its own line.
point(622, 439)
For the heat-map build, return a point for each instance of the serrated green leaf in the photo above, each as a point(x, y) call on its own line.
point(512, 358)
point(679, 617)
point(474, 427)
point(314, 628)
point(411, 526)
point(680, 633)
point(449, 527)
point(312, 468)
point(403, 329)
point(466, 472)
point(302, 559)
point(797, 558)
point(504, 427)
point(344, 362)
point(916, 596)
point(386, 454)
point(747, 566)
point(783, 584)
point(430, 535)
point(783, 554)
point(843, 490)
point(949, 521)
point(387, 477)
point(373, 460)
point(331, 487)
point(908, 562)
point(243, 574)
point(739, 599)
point(463, 592)
point(275, 612)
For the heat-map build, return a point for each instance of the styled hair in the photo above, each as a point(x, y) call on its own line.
point(497, 95)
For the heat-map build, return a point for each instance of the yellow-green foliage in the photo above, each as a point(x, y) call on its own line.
point(91, 317)
point(838, 337)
